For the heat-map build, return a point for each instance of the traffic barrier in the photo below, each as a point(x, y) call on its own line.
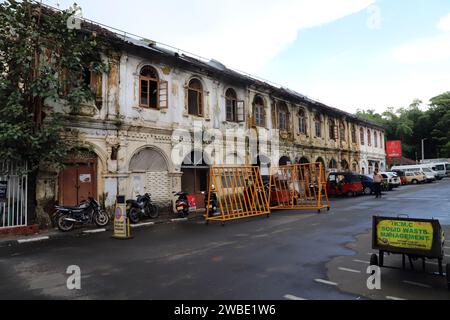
point(239, 192)
point(298, 187)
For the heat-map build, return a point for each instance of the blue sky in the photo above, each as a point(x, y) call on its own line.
point(348, 53)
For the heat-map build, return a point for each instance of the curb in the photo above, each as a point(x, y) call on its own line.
point(87, 232)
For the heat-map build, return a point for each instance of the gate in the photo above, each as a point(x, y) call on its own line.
point(13, 195)
point(240, 193)
point(298, 187)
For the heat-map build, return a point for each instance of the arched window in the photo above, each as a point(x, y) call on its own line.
point(283, 117)
point(231, 105)
point(195, 98)
point(361, 136)
point(333, 164)
point(149, 88)
point(341, 132)
point(302, 122)
point(369, 138)
point(353, 134)
point(332, 129)
point(318, 125)
point(258, 112)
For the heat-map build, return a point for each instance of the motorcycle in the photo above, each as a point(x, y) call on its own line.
point(142, 207)
point(87, 212)
point(213, 204)
point(185, 204)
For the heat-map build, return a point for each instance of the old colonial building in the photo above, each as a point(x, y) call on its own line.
point(162, 117)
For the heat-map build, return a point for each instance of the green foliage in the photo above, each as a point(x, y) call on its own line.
point(41, 60)
point(412, 124)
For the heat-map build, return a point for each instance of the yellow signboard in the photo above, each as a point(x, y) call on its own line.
point(121, 222)
point(405, 234)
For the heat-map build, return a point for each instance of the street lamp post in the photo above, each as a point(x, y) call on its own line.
point(423, 149)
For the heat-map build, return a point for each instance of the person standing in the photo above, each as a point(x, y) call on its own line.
point(377, 180)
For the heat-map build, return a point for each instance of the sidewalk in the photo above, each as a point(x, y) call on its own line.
point(54, 234)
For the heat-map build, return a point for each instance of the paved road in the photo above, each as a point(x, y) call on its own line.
point(285, 256)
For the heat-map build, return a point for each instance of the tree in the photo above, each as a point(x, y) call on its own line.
point(440, 117)
point(41, 60)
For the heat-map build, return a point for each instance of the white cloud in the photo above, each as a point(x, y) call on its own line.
point(242, 34)
point(444, 23)
point(433, 49)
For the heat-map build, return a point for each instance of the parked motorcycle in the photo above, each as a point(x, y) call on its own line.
point(141, 208)
point(87, 212)
point(213, 204)
point(185, 204)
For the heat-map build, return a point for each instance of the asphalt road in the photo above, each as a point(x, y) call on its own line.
point(287, 256)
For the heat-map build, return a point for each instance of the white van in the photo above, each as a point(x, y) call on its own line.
point(430, 174)
point(442, 168)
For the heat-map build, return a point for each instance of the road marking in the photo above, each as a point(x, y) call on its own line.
point(417, 284)
point(361, 261)
point(326, 282)
point(291, 297)
point(349, 270)
point(179, 220)
point(142, 224)
point(394, 298)
point(33, 240)
point(94, 231)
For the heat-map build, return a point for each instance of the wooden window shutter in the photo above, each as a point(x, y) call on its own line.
point(163, 94)
point(240, 110)
point(97, 87)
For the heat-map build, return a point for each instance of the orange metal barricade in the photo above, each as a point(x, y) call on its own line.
point(298, 187)
point(240, 193)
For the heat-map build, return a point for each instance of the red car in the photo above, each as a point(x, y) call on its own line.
point(344, 183)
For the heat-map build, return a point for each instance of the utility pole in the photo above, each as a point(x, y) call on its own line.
point(423, 149)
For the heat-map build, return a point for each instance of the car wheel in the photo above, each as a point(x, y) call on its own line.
point(415, 181)
point(367, 191)
point(350, 194)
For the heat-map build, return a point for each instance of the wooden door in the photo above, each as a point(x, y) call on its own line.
point(77, 183)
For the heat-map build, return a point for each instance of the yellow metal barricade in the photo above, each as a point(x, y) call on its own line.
point(239, 191)
point(298, 187)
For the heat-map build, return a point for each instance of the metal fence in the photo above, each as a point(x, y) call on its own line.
point(13, 195)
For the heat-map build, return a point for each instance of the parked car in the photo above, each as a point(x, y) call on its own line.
point(368, 185)
point(401, 175)
point(392, 179)
point(344, 183)
point(415, 177)
point(431, 175)
point(384, 184)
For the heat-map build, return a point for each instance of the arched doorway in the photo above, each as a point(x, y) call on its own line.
point(333, 165)
point(320, 159)
point(195, 169)
point(284, 161)
point(303, 160)
point(355, 167)
point(344, 165)
point(78, 180)
point(150, 174)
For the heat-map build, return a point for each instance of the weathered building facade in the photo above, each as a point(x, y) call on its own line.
point(163, 117)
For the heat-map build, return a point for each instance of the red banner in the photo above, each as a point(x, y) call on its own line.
point(393, 149)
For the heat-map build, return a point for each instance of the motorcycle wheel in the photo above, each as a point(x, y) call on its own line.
point(101, 219)
point(63, 225)
point(184, 213)
point(153, 211)
point(133, 215)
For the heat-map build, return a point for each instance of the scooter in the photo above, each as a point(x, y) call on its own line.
point(185, 204)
